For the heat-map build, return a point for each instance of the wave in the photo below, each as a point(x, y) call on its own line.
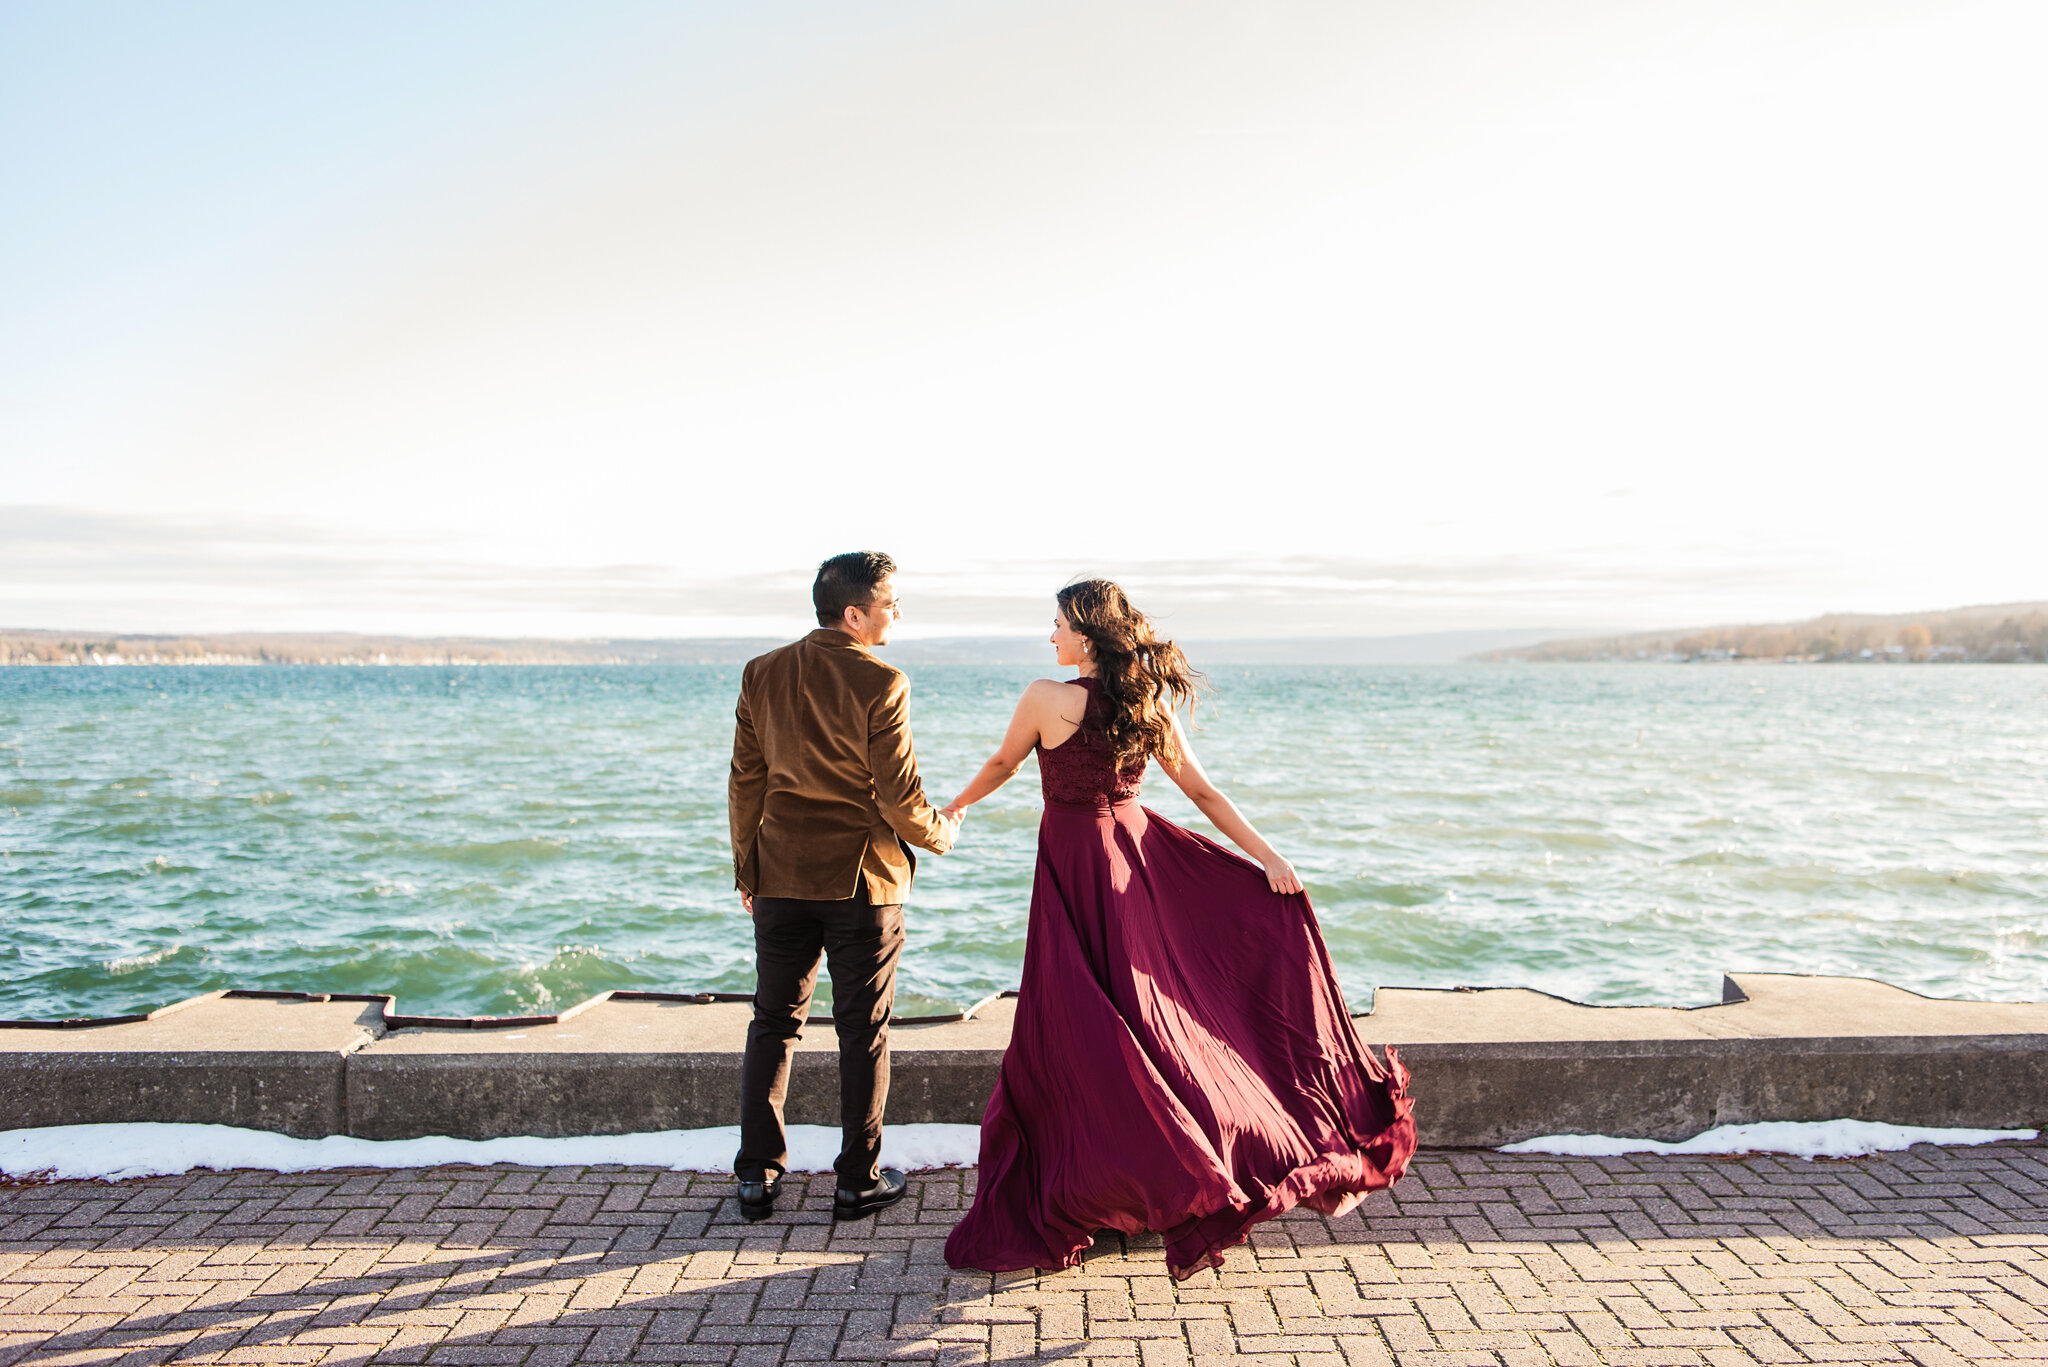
point(501, 853)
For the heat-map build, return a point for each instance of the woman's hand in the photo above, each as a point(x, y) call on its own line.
point(1280, 875)
point(953, 811)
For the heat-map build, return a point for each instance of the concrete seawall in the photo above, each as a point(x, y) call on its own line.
point(1490, 1066)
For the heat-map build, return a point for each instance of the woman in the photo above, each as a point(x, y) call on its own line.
point(1182, 1060)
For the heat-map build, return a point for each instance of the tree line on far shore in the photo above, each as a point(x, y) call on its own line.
point(2001, 633)
point(61, 648)
point(2004, 633)
point(337, 648)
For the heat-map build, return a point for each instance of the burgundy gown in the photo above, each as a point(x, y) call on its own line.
point(1182, 1060)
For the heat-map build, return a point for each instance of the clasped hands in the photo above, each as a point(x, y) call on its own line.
point(952, 817)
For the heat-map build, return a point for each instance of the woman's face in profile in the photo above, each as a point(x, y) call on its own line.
point(1067, 643)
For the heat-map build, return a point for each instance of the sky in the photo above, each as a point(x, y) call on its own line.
point(1310, 317)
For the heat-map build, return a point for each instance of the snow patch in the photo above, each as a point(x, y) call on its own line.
point(1801, 1138)
point(110, 1152)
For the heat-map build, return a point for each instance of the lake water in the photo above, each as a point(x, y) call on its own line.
point(495, 840)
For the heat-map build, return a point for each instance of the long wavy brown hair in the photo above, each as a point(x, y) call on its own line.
point(1142, 677)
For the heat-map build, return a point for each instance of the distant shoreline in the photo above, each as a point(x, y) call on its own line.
point(1991, 633)
point(77, 648)
point(460, 662)
point(2011, 633)
point(62, 649)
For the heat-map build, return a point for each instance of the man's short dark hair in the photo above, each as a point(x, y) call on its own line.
point(848, 581)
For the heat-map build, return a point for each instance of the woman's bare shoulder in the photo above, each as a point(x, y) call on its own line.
point(1057, 694)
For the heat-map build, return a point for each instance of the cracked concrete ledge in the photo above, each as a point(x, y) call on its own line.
point(1491, 1066)
point(389, 1017)
point(262, 1063)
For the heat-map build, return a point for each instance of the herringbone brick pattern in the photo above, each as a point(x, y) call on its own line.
point(1932, 1257)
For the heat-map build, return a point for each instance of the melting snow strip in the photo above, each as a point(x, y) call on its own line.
point(1799, 1138)
point(110, 1152)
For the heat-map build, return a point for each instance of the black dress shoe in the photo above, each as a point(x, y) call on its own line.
point(849, 1203)
point(757, 1195)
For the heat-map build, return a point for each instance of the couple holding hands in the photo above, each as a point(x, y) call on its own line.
point(1182, 1060)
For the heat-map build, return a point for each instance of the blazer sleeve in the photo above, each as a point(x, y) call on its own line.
point(898, 792)
point(746, 789)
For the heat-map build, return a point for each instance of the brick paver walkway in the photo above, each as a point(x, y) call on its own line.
point(1934, 1256)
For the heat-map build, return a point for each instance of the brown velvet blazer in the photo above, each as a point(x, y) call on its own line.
point(824, 793)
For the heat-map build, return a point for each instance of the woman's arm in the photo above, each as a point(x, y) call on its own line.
point(1039, 703)
point(1188, 775)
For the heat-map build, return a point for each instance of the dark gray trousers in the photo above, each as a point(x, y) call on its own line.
point(860, 943)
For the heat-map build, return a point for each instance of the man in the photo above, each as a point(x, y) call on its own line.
point(826, 805)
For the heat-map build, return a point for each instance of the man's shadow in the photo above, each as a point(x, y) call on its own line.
point(860, 1305)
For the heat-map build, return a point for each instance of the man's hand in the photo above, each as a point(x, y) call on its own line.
point(747, 903)
point(954, 817)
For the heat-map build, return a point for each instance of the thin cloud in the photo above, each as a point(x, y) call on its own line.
point(74, 568)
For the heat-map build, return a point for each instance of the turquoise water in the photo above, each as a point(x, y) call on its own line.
point(511, 839)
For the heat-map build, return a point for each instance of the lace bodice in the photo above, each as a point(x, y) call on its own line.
point(1078, 771)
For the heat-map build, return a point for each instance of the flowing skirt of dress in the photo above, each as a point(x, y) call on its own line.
point(1182, 1060)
